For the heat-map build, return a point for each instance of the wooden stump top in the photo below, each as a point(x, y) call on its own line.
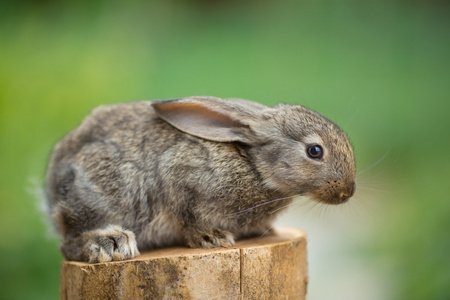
point(270, 267)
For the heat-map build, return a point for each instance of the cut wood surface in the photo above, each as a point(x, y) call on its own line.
point(270, 267)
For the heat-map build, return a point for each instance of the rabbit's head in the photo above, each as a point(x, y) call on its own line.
point(295, 151)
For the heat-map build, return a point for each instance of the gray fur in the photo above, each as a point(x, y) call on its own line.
point(181, 171)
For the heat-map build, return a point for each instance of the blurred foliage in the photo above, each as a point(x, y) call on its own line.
point(380, 69)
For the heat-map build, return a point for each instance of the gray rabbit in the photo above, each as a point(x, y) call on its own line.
point(198, 171)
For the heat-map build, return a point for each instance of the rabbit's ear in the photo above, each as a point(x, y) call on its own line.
point(209, 118)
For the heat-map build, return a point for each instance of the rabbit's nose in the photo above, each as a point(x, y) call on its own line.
point(344, 197)
point(350, 192)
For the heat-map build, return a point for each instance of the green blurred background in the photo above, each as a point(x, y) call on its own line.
point(380, 69)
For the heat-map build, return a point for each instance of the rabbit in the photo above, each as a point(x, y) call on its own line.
point(196, 171)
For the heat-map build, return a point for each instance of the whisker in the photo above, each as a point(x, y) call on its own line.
point(371, 183)
point(295, 204)
point(268, 229)
point(262, 204)
point(314, 206)
point(379, 174)
point(371, 188)
point(326, 212)
point(349, 122)
point(375, 164)
point(356, 208)
point(318, 209)
point(289, 205)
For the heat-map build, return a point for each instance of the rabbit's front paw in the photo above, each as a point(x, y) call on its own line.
point(110, 243)
point(213, 239)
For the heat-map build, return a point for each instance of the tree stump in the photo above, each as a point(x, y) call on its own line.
point(271, 267)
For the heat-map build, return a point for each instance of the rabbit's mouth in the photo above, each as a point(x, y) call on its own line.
point(334, 192)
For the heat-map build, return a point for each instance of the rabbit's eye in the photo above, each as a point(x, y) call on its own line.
point(314, 151)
